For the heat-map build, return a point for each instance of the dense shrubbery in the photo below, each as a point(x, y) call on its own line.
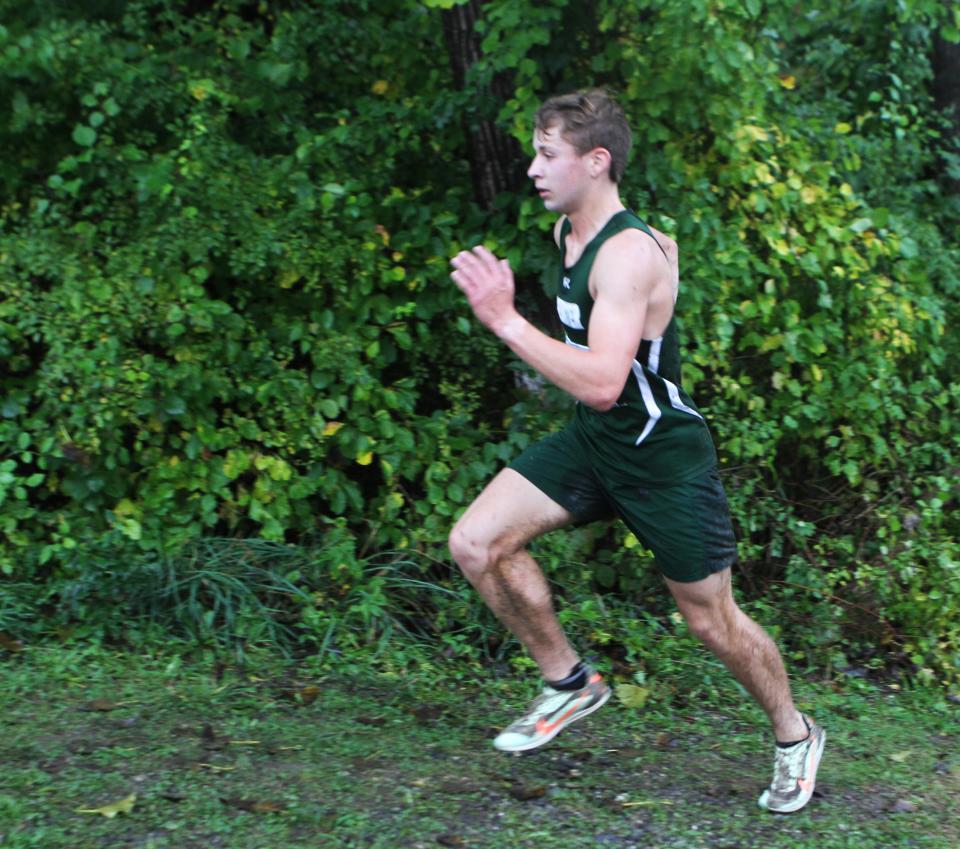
point(226, 308)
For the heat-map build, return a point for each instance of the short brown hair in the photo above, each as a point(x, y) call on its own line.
point(589, 119)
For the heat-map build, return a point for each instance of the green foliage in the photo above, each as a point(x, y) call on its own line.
point(219, 305)
point(226, 312)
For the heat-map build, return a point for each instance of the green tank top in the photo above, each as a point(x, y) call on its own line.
point(654, 434)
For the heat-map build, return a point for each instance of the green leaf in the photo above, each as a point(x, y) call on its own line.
point(84, 136)
point(632, 696)
point(908, 248)
point(124, 806)
point(175, 406)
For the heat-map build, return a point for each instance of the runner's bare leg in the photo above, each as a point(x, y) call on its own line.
point(743, 646)
point(488, 543)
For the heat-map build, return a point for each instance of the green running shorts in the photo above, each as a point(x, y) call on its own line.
point(686, 525)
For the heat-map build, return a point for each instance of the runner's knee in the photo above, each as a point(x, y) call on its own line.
point(706, 629)
point(467, 551)
point(474, 553)
point(710, 625)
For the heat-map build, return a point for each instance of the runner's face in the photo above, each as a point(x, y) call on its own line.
point(559, 173)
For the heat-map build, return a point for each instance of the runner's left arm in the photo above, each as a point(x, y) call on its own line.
point(595, 376)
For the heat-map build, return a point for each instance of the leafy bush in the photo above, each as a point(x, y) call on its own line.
point(226, 311)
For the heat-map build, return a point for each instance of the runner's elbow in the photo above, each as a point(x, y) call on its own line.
point(603, 398)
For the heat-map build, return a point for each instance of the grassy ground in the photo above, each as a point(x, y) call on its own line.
point(272, 758)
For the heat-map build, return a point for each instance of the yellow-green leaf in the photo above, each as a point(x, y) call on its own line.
point(124, 507)
point(124, 806)
point(632, 696)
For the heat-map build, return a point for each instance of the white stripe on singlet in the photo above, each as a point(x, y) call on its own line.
point(653, 359)
point(653, 411)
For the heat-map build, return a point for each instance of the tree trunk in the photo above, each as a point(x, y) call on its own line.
point(946, 94)
point(495, 157)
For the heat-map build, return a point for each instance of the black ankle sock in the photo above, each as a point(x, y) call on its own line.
point(794, 743)
point(576, 680)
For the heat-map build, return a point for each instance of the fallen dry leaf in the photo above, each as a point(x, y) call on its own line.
point(458, 784)
point(215, 768)
point(454, 841)
point(645, 803)
point(9, 643)
point(628, 752)
point(124, 806)
point(308, 695)
point(102, 705)
point(254, 806)
point(525, 792)
point(426, 714)
point(663, 740)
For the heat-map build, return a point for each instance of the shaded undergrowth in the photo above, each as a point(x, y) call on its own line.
point(336, 605)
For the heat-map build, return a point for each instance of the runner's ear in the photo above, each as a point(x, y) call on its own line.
point(599, 162)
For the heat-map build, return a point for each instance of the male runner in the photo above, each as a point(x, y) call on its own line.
point(636, 446)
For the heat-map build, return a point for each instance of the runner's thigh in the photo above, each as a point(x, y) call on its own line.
point(510, 507)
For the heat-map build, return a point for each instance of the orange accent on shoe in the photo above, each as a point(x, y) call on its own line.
point(545, 727)
point(595, 678)
point(805, 784)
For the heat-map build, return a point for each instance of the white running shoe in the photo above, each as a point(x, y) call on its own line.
point(795, 773)
point(551, 712)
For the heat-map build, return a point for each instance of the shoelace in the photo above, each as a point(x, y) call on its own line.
point(787, 767)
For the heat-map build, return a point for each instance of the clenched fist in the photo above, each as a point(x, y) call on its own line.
point(488, 284)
